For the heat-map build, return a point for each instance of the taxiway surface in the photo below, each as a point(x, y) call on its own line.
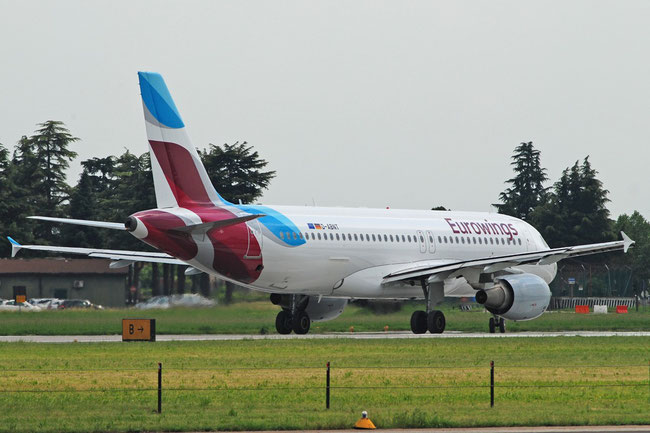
point(333, 335)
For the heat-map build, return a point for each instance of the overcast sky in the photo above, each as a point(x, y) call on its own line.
point(407, 104)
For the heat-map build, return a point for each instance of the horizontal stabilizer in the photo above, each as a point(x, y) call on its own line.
point(119, 257)
point(99, 224)
point(205, 227)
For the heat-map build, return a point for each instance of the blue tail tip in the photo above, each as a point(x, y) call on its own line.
point(13, 241)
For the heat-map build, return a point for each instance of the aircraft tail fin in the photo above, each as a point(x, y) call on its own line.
point(179, 176)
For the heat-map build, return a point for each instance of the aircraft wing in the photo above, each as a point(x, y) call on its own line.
point(488, 265)
point(121, 257)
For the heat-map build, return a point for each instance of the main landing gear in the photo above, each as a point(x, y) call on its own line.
point(430, 320)
point(293, 317)
point(497, 322)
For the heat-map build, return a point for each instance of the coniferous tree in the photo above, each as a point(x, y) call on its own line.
point(236, 171)
point(576, 211)
point(526, 190)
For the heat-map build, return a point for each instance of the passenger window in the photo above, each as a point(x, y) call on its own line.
point(480, 241)
point(337, 237)
point(355, 237)
point(503, 242)
point(379, 238)
point(409, 238)
point(367, 237)
point(385, 238)
point(473, 240)
point(462, 239)
point(422, 239)
point(431, 239)
point(519, 241)
point(331, 237)
point(319, 236)
point(457, 240)
point(295, 236)
point(300, 234)
point(391, 238)
point(451, 240)
point(403, 238)
point(282, 235)
point(397, 238)
point(439, 240)
point(445, 239)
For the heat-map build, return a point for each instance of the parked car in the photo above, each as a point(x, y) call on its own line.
point(12, 305)
point(186, 300)
point(78, 303)
point(46, 303)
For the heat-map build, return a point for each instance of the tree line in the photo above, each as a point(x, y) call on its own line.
point(573, 210)
point(33, 182)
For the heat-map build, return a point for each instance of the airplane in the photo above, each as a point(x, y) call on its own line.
point(312, 260)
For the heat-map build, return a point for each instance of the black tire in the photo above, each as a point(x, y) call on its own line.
point(283, 322)
point(301, 323)
point(502, 325)
point(436, 322)
point(492, 325)
point(419, 322)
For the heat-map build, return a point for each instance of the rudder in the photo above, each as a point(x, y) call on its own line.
point(179, 176)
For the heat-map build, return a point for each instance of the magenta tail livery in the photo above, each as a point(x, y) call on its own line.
point(312, 260)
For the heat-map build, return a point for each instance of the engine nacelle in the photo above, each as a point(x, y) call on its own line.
point(326, 309)
point(516, 297)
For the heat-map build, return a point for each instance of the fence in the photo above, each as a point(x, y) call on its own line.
point(562, 303)
point(484, 379)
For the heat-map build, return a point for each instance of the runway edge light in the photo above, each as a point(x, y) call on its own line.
point(364, 423)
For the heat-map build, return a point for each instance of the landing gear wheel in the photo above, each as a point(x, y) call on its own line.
point(301, 323)
point(283, 322)
point(502, 325)
point(492, 325)
point(436, 322)
point(419, 322)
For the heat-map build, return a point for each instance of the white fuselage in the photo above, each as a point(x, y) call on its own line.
point(347, 251)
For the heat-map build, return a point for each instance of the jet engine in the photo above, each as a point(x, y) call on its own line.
point(326, 309)
point(516, 297)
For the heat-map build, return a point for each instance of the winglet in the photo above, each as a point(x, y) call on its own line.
point(627, 242)
point(15, 246)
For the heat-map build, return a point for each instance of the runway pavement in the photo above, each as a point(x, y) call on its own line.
point(334, 335)
point(568, 429)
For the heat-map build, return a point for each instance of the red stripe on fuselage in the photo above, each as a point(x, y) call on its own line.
point(230, 245)
point(181, 173)
point(158, 223)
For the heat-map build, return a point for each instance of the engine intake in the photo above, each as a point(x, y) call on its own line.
point(516, 297)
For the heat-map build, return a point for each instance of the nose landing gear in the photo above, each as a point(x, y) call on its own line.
point(497, 322)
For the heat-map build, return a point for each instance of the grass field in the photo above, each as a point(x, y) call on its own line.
point(258, 317)
point(280, 384)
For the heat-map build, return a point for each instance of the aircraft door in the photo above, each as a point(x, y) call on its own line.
point(254, 250)
point(432, 241)
point(422, 241)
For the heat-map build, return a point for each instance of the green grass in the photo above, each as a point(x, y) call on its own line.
point(280, 384)
point(257, 317)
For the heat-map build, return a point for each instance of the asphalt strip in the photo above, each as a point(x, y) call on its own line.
point(561, 429)
point(335, 335)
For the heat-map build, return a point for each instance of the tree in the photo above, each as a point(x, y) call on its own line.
point(575, 212)
point(236, 171)
point(50, 144)
point(527, 189)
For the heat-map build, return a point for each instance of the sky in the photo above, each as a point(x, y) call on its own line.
point(407, 104)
